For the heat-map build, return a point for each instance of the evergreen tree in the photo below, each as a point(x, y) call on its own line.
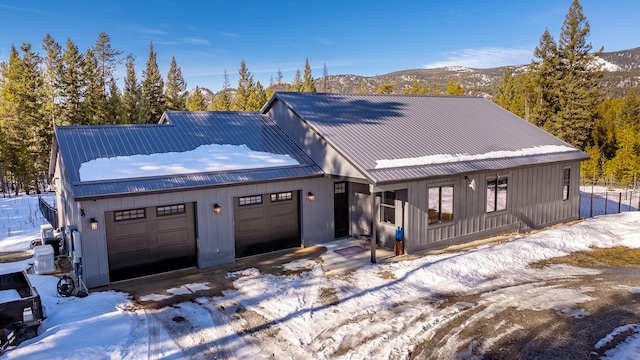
point(175, 94)
point(132, 107)
point(454, 88)
point(308, 85)
point(94, 106)
point(222, 100)
point(385, 88)
point(245, 88)
point(195, 101)
point(115, 108)
point(106, 61)
point(258, 98)
point(72, 86)
point(297, 81)
point(568, 80)
point(152, 88)
point(52, 77)
point(22, 118)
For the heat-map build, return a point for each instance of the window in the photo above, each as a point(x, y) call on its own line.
point(496, 194)
point(282, 196)
point(440, 204)
point(250, 200)
point(388, 207)
point(340, 188)
point(129, 215)
point(567, 181)
point(170, 210)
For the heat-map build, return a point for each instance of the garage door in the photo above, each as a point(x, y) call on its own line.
point(149, 240)
point(265, 223)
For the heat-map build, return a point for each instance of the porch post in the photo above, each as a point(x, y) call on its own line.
point(374, 225)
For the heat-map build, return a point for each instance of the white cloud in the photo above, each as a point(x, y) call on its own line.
point(483, 58)
point(195, 41)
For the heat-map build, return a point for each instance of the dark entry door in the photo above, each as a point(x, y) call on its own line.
point(341, 209)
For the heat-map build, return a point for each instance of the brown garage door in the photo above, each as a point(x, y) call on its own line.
point(149, 240)
point(265, 223)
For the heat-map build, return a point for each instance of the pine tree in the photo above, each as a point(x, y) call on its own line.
point(132, 107)
point(72, 84)
point(297, 81)
point(454, 88)
point(152, 88)
point(175, 94)
point(22, 118)
point(222, 100)
point(106, 61)
point(308, 85)
point(52, 77)
point(115, 108)
point(245, 88)
point(568, 81)
point(94, 106)
point(258, 98)
point(385, 88)
point(195, 101)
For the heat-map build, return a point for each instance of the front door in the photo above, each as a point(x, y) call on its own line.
point(341, 209)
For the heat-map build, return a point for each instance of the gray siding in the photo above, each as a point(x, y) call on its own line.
point(311, 143)
point(215, 232)
point(534, 200)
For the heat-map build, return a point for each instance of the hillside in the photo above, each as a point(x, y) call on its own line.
point(622, 70)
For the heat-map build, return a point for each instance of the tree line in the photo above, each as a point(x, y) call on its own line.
point(561, 92)
point(66, 86)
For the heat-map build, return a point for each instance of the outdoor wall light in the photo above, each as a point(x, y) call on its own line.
point(311, 196)
point(82, 212)
point(94, 224)
point(471, 182)
point(217, 208)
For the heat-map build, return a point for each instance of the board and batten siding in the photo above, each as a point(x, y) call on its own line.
point(534, 200)
point(311, 143)
point(215, 239)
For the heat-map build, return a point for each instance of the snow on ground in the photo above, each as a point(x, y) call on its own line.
point(204, 158)
point(107, 325)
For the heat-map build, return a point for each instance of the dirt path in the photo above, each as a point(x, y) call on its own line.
point(505, 324)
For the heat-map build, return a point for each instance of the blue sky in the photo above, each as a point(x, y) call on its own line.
point(351, 37)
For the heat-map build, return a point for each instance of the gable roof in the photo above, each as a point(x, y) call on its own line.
point(178, 133)
point(424, 136)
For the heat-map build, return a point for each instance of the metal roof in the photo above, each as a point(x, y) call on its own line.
point(177, 132)
point(366, 128)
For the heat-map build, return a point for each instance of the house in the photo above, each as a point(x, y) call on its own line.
point(205, 188)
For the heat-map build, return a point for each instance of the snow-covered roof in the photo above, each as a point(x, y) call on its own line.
point(392, 138)
point(186, 150)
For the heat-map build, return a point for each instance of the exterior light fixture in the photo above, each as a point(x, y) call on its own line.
point(311, 196)
point(82, 212)
point(94, 224)
point(471, 182)
point(217, 209)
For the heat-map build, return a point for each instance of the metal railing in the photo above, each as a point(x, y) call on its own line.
point(49, 212)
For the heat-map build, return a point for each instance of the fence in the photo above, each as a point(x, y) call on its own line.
point(49, 212)
point(598, 200)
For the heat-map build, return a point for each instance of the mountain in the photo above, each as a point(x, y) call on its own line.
point(622, 71)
